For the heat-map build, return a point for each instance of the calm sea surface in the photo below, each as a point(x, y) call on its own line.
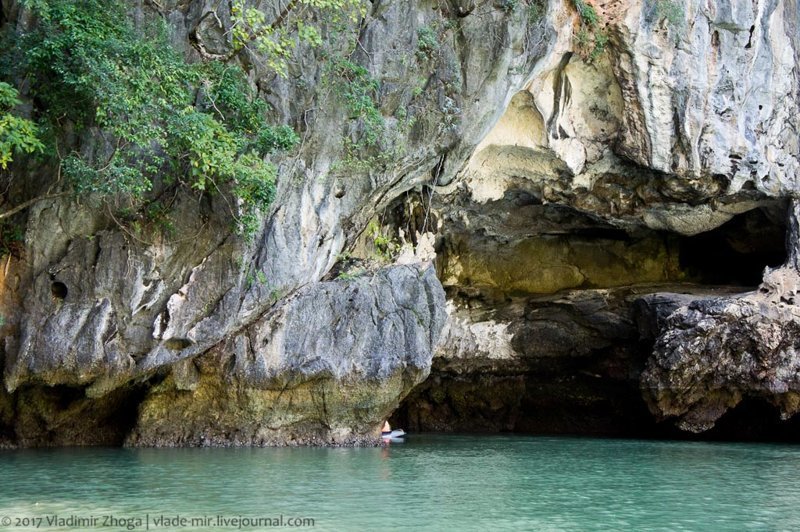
point(430, 482)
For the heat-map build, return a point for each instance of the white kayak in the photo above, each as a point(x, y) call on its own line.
point(395, 435)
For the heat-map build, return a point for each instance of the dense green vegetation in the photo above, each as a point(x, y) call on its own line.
point(164, 122)
point(359, 91)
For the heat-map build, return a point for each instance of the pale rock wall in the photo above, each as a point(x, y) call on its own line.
point(678, 127)
point(693, 118)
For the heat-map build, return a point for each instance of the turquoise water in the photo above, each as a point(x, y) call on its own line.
point(429, 482)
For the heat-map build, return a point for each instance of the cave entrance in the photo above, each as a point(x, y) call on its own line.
point(576, 355)
point(736, 252)
point(61, 415)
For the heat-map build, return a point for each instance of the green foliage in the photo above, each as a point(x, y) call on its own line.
point(225, 91)
point(281, 138)
point(157, 214)
point(385, 247)
point(200, 125)
point(350, 275)
point(360, 92)
point(600, 42)
point(591, 39)
point(509, 6)
point(16, 134)
point(257, 276)
point(276, 40)
point(427, 43)
point(587, 13)
point(255, 187)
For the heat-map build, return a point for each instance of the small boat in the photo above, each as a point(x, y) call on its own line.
point(396, 435)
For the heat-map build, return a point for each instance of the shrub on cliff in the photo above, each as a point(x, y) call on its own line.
point(159, 119)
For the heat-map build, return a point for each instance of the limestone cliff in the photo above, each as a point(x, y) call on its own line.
point(560, 188)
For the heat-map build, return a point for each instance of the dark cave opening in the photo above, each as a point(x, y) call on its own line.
point(736, 252)
point(45, 416)
point(58, 290)
point(595, 391)
point(570, 405)
point(754, 419)
point(559, 401)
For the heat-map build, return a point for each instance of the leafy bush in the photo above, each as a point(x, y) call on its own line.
point(587, 13)
point(385, 247)
point(276, 40)
point(198, 125)
point(536, 11)
point(16, 134)
point(281, 138)
point(670, 10)
point(360, 91)
point(427, 43)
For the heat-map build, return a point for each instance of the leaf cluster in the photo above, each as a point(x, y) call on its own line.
point(276, 38)
point(427, 43)
point(199, 125)
point(17, 134)
point(386, 247)
point(360, 93)
point(536, 11)
point(670, 10)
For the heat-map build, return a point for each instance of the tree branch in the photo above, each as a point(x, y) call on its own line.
point(252, 36)
point(26, 204)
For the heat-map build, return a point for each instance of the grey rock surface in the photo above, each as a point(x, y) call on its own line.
point(326, 365)
point(713, 353)
point(129, 309)
point(564, 363)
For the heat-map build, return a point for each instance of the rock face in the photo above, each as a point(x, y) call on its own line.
point(325, 366)
point(711, 354)
point(714, 353)
point(634, 179)
point(687, 126)
point(94, 310)
point(680, 126)
point(564, 363)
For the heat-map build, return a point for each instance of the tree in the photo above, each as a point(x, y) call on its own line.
point(17, 135)
point(163, 121)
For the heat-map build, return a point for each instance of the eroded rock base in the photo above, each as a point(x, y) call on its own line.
point(569, 363)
